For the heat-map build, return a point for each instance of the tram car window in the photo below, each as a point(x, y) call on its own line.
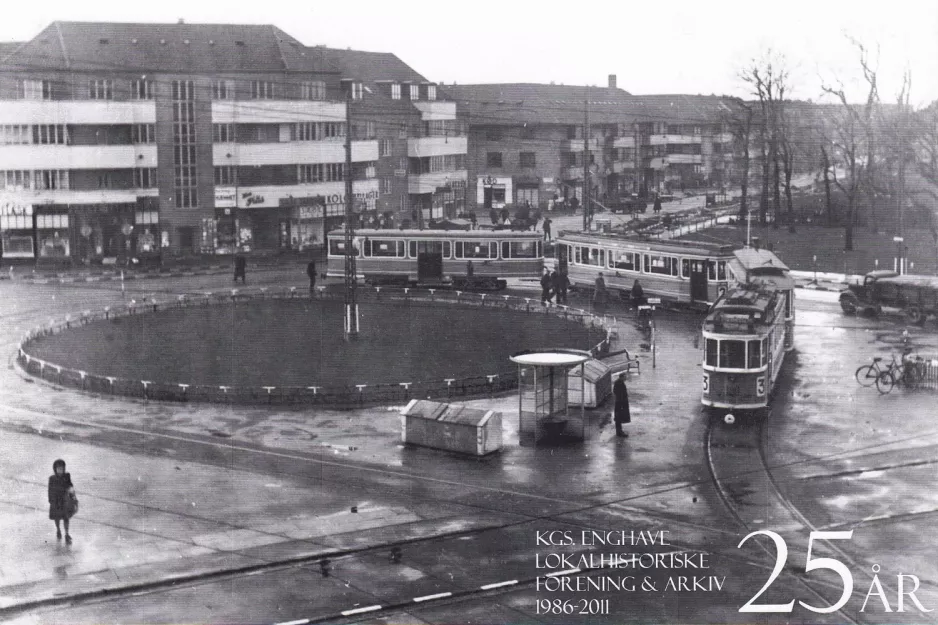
point(717, 270)
point(623, 260)
point(523, 249)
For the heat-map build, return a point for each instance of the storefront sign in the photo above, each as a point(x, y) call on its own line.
point(224, 198)
point(15, 208)
point(400, 173)
point(271, 199)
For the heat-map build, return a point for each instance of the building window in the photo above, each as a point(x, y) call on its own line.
point(314, 90)
point(50, 134)
point(358, 91)
point(14, 135)
point(384, 147)
point(431, 92)
point(528, 159)
point(100, 89)
point(50, 179)
point(14, 180)
point(303, 131)
point(226, 175)
point(331, 130)
point(223, 133)
point(104, 180)
point(145, 178)
point(223, 90)
point(395, 91)
point(143, 133)
point(37, 90)
point(493, 134)
point(415, 92)
point(386, 186)
point(335, 172)
point(262, 90)
point(402, 163)
point(493, 159)
point(574, 132)
point(307, 174)
point(140, 90)
point(185, 173)
point(402, 131)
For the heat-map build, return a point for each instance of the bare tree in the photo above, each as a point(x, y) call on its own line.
point(760, 77)
point(826, 169)
point(738, 117)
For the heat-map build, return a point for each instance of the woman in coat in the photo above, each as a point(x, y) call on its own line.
point(622, 414)
point(61, 502)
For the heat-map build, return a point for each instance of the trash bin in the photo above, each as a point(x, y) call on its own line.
point(451, 427)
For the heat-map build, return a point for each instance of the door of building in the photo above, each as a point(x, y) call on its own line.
point(430, 261)
point(698, 281)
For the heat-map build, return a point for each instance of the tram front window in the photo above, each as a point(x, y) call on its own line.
point(712, 352)
point(755, 354)
point(733, 354)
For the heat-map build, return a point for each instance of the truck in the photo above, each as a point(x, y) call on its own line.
point(916, 296)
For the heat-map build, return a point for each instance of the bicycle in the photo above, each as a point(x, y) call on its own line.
point(867, 375)
point(909, 373)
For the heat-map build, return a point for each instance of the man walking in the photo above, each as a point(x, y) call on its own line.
point(600, 296)
point(546, 284)
point(657, 203)
point(546, 228)
point(621, 413)
point(240, 268)
point(559, 283)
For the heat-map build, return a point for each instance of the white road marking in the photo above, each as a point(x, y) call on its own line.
point(511, 582)
point(302, 621)
point(561, 573)
point(432, 597)
point(370, 608)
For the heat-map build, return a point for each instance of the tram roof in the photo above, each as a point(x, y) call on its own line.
point(759, 261)
point(439, 234)
point(670, 245)
point(743, 300)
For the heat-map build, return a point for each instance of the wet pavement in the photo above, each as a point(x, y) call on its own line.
point(201, 492)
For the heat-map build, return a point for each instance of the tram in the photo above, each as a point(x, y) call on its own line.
point(464, 259)
point(691, 273)
point(762, 268)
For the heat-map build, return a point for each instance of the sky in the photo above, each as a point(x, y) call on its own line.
point(666, 46)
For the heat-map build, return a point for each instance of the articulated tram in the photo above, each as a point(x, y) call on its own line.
point(693, 273)
point(747, 334)
point(465, 259)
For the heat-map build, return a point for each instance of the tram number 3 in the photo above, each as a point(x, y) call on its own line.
point(760, 386)
point(781, 557)
point(706, 383)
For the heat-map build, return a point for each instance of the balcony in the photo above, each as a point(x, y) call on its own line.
point(95, 196)
point(571, 173)
point(436, 110)
point(77, 112)
point(77, 156)
point(271, 196)
point(436, 146)
point(276, 111)
point(665, 139)
point(623, 142)
point(684, 159)
point(428, 183)
point(292, 152)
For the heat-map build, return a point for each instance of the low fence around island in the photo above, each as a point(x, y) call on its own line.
point(347, 396)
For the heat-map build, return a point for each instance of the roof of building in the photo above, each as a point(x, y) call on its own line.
point(197, 48)
point(7, 47)
point(516, 103)
point(368, 67)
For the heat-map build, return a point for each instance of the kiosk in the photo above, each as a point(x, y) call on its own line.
point(543, 388)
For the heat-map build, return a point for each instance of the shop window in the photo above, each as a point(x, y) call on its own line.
point(732, 354)
point(52, 234)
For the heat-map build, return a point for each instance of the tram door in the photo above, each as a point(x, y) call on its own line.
point(430, 261)
point(698, 281)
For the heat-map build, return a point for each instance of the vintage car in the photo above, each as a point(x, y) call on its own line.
point(916, 296)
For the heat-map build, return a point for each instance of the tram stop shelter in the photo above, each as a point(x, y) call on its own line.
point(451, 427)
point(543, 395)
point(591, 388)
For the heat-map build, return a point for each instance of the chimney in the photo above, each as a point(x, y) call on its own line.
point(612, 81)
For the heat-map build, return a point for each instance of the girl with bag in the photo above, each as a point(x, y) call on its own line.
point(63, 503)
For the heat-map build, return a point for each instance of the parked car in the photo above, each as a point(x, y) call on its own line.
point(628, 205)
point(916, 296)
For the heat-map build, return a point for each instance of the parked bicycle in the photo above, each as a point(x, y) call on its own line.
point(868, 374)
point(909, 372)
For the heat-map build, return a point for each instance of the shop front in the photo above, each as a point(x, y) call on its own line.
point(17, 231)
point(104, 233)
point(493, 191)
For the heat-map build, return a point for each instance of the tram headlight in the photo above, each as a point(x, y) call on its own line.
point(729, 419)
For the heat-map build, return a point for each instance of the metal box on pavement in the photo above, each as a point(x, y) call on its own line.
point(451, 427)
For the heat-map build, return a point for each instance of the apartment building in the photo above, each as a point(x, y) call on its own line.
point(138, 141)
point(526, 142)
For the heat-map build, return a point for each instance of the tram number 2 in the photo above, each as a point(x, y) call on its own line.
point(781, 557)
point(706, 383)
point(760, 386)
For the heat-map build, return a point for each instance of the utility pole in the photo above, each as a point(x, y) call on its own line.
point(351, 301)
point(586, 163)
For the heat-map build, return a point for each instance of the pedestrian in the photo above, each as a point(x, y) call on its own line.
point(311, 273)
point(574, 203)
point(657, 203)
point(621, 412)
point(240, 268)
point(470, 269)
point(493, 215)
point(638, 294)
point(63, 504)
point(600, 295)
point(546, 228)
point(559, 284)
point(546, 284)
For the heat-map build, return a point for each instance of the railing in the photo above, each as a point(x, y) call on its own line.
point(348, 396)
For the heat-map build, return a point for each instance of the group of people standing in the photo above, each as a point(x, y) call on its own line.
point(554, 284)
